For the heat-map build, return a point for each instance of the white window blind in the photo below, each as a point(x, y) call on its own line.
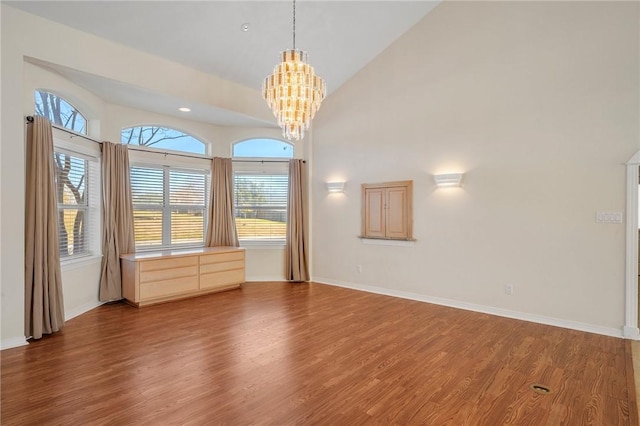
point(187, 200)
point(77, 196)
point(261, 206)
point(169, 206)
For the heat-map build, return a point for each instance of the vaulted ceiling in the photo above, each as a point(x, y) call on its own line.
point(341, 37)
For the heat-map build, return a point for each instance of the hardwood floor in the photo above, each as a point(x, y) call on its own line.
point(281, 354)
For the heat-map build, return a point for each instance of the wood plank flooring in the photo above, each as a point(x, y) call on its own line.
point(286, 354)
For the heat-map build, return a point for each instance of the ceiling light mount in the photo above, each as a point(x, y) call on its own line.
point(294, 92)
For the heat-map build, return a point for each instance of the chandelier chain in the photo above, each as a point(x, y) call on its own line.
point(294, 92)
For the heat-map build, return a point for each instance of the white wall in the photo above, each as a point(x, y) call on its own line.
point(27, 36)
point(537, 103)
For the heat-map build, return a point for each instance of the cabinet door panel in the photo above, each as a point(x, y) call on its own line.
point(396, 213)
point(374, 213)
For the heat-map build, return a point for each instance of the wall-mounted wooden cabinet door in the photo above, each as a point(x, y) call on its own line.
point(374, 220)
point(397, 215)
point(387, 210)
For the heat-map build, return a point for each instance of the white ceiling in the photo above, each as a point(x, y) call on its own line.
point(341, 37)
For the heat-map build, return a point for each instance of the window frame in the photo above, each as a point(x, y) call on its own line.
point(270, 171)
point(62, 144)
point(205, 144)
point(267, 166)
point(258, 158)
point(167, 208)
point(65, 100)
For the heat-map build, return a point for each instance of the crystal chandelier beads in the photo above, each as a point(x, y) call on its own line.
point(294, 92)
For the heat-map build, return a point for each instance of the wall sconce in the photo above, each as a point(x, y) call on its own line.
point(448, 180)
point(335, 187)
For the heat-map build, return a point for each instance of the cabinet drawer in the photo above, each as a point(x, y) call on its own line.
point(168, 274)
point(168, 263)
point(221, 257)
point(223, 266)
point(156, 289)
point(221, 279)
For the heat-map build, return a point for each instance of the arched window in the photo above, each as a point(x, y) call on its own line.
point(76, 181)
point(263, 148)
point(59, 111)
point(260, 190)
point(162, 138)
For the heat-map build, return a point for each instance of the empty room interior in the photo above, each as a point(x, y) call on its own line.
point(319, 212)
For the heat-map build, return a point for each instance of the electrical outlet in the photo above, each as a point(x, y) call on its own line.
point(609, 217)
point(359, 268)
point(508, 289)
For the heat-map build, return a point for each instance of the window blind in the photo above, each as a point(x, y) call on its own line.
point(187, 192)
point(169, 206)
point(261, 206)
point(73, 175)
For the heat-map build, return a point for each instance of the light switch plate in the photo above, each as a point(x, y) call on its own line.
point(609, 217)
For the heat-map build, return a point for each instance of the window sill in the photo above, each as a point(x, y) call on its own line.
point(387, 242)
point(257, 245)
point(80, 262)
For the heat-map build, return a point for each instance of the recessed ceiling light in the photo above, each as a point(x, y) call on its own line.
point(245, 27)
point(184, 109)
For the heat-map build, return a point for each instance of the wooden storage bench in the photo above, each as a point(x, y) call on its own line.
point(149, 278)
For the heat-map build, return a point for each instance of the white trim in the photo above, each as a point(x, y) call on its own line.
point(256, 245)
point(79, 262)
point(540, 319)
point(384, 242)
point(12, 342)
point(81, 309)
point(90, 153)
point(631, 333)
point(630, 328)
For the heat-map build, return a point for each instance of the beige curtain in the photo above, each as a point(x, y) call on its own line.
point(297, 249)
point(44, 305)
point(117, 218)
point(221, 230)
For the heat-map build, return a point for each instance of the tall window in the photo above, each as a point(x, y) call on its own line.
point(260, 189)
point(169, 206)
point(77, 185)
point(162, 138)
point(59, 111)
point(76, 191)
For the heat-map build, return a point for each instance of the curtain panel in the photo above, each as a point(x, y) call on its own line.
point(117, 218)
point(44, 304)
point(221, 229)
point(297, 246)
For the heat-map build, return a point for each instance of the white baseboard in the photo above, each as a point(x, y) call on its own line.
point(523, 316)
point(81, 309)
point(632, 333)
point(12, 342)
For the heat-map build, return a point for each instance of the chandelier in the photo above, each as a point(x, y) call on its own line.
point(294, 92)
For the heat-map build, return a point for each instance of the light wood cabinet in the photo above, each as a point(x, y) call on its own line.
point(149, 278)
point(387, 210)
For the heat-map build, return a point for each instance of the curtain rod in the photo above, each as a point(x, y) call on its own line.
point(29, 119)
point(64, 129)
